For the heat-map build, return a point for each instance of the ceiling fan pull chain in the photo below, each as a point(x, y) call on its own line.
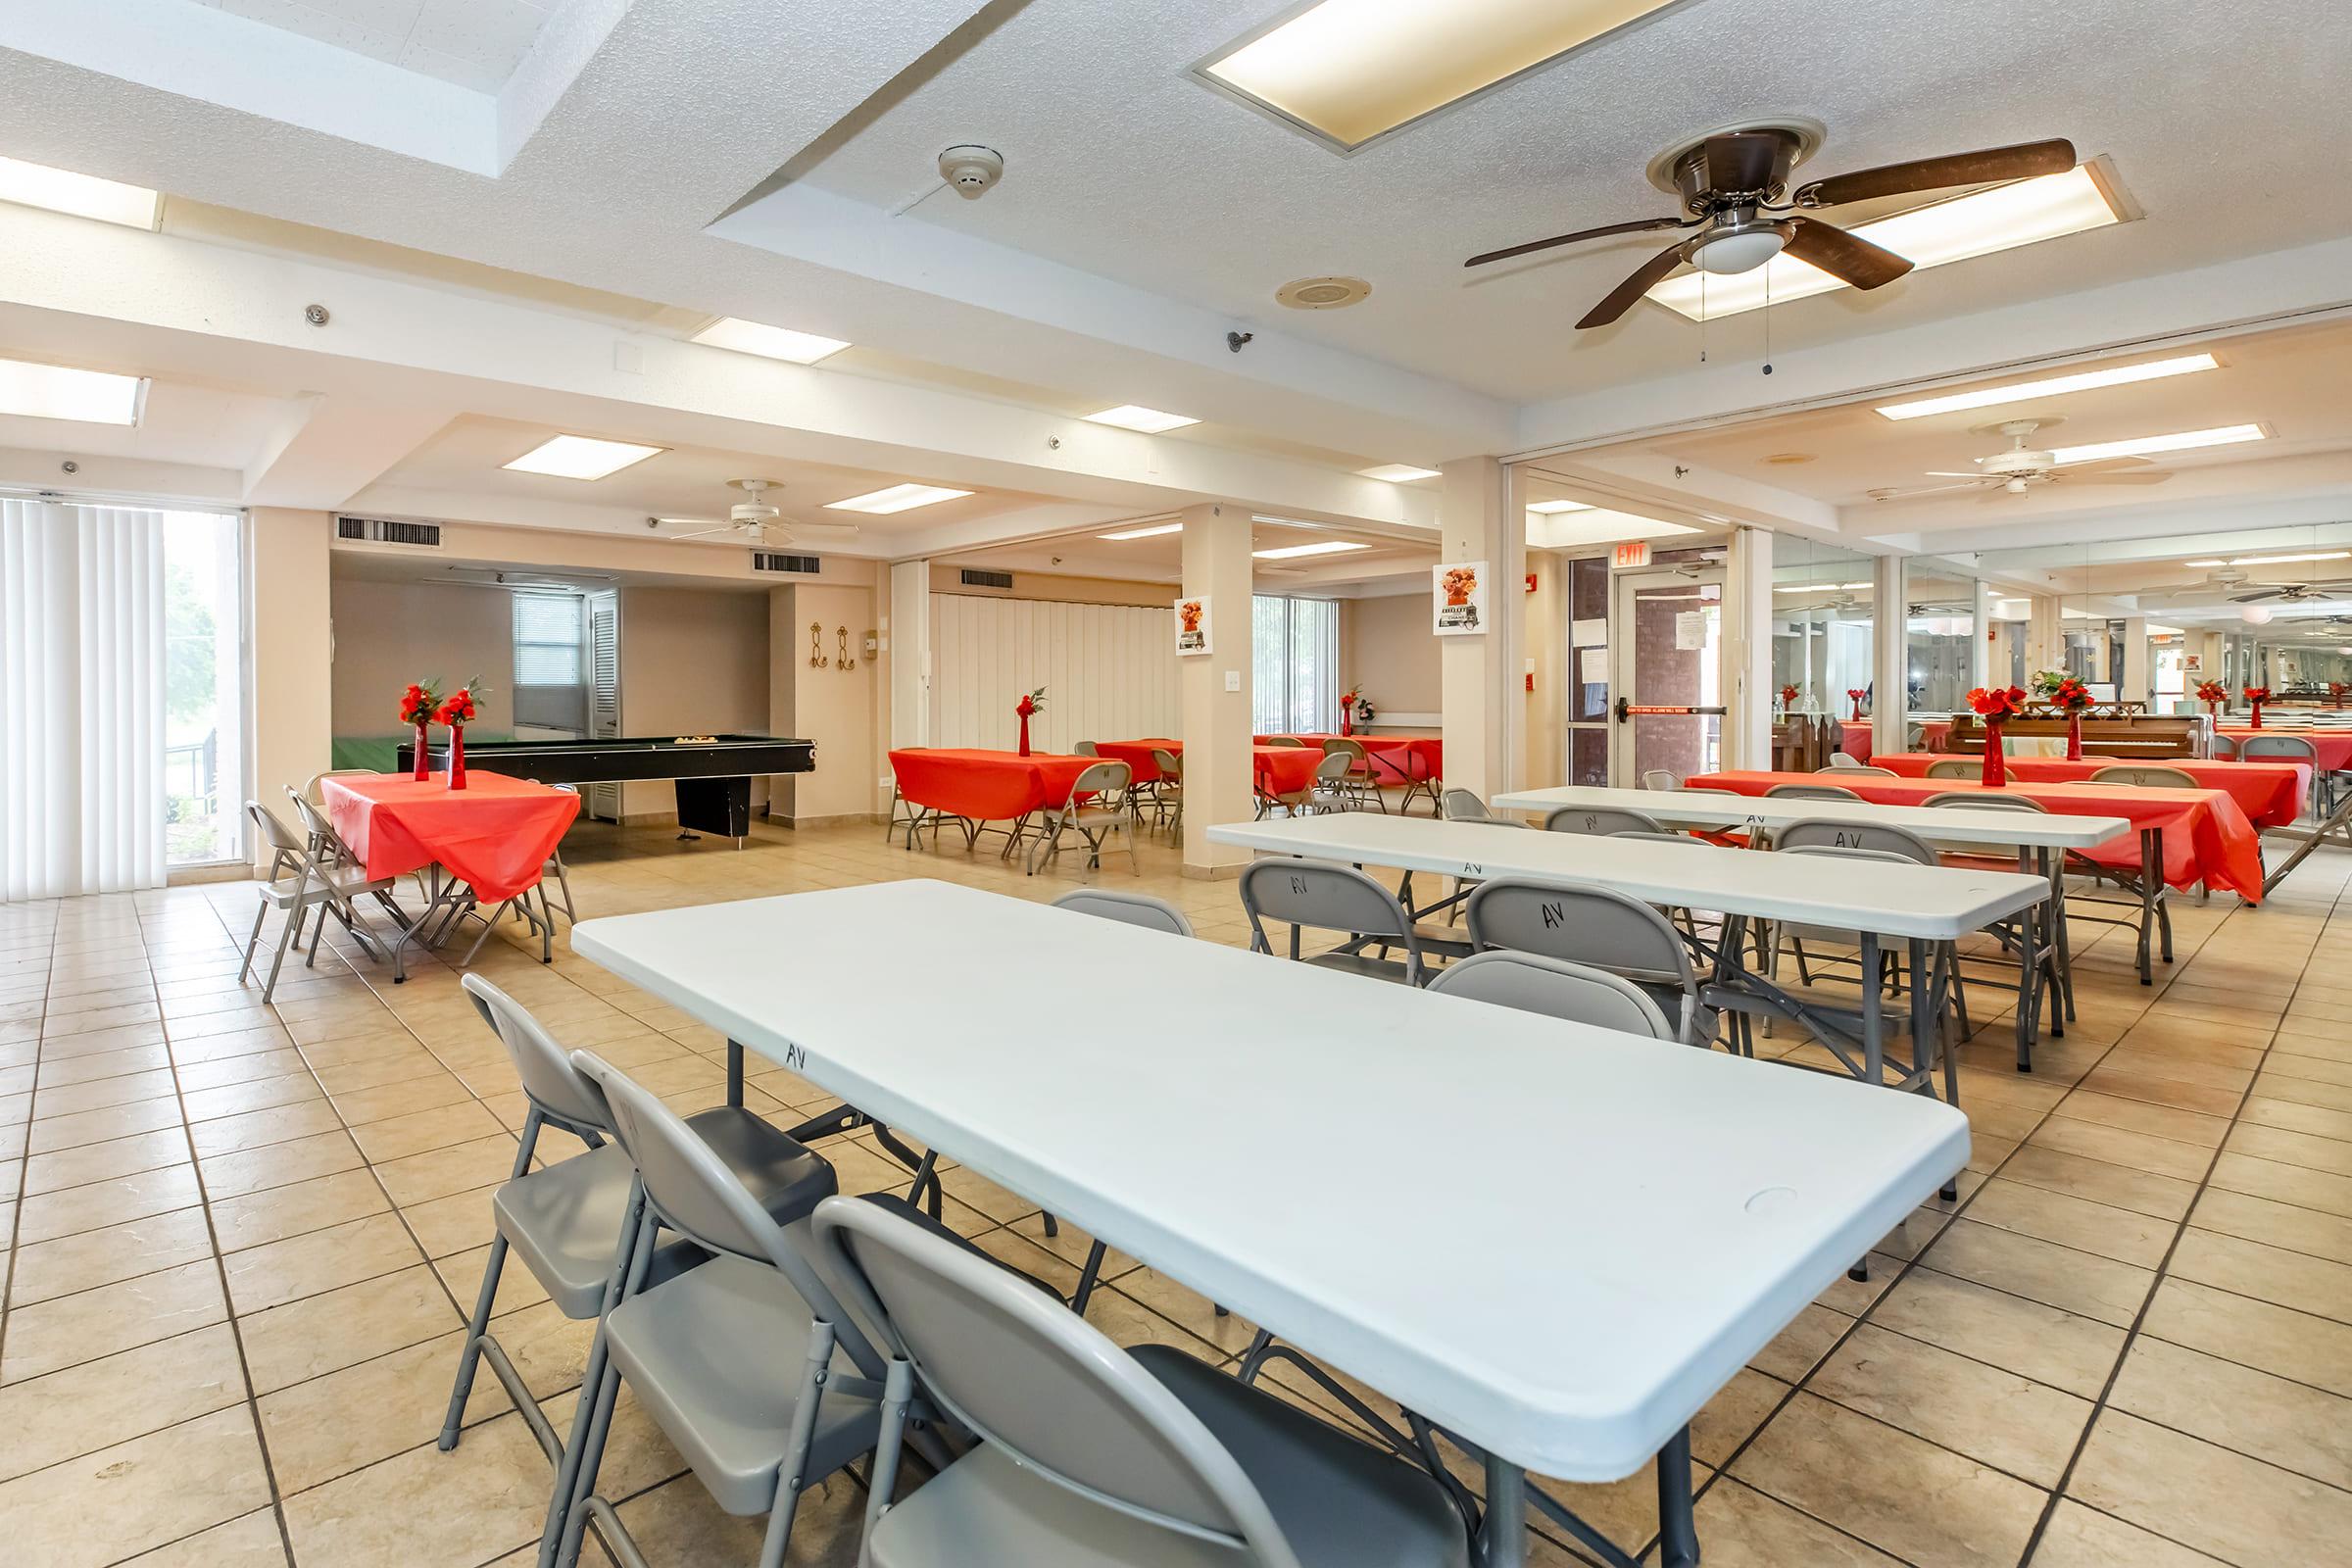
point(1767, 318)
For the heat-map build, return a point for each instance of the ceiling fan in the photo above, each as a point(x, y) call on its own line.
point(758, 520)
point(2022, 467)
point(2220, 580)
point(1734, 191)
point(2294, 593)
point(1838, 603)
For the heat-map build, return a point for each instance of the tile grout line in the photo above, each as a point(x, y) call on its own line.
point(16, 1213)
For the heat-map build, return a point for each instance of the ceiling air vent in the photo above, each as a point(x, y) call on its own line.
point(987, 579)
point(389, 531)
point(775, 561)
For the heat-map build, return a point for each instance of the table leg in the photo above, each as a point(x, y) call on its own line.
point(1678, 1528)
point(1874, 1025)
point(735, 1074)
point(2028, 983)
point(2151, 877)
point(1502, 1532)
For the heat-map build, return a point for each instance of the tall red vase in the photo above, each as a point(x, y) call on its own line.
point(1024, 718)
point(1346, 719)
point(425, 764)
point(2074, 737)
point(2257, 716)
point(456, 756)
point(1996, 772)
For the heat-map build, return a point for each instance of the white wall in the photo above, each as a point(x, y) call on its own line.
point(286, 608)
point(1110, 670)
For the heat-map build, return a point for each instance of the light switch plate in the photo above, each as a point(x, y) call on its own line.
point(1232, 680)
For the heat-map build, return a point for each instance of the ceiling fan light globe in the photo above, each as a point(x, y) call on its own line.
point(1724, 254)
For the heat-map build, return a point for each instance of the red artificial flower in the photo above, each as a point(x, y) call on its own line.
point(1788, 694)
point(2257, 694)
point(1999, 701)
point(2212, 691)
point(2070, 696)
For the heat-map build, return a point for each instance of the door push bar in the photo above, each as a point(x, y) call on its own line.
point(1626, 709)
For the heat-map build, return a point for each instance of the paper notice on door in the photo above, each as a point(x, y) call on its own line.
point(1586, 633)
point(1592, 666)
point(1690, 631)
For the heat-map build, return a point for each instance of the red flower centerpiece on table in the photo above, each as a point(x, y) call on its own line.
point(2255, 697)
point(1348, 701)
point(2213, 694)
point(1854, 695)
point(457, 710)
point(1996, 706)
point(1787, 699)
point(417, 706)
point(2336, 690)
point(2071, 698)
point(1031, 704)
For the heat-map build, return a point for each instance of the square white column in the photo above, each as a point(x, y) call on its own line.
point(1891, 658)
point(1482, 683)
point(1215, 688)
point(1747, 690)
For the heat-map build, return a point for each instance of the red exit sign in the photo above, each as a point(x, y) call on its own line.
point(1635, 554)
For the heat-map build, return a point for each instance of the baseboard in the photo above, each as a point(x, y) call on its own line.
point(188, 876)
point(853, 819)
point(1214, 873)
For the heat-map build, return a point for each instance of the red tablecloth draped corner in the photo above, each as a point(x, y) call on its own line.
point(1855, 741)
point(1137, 755)
point(2334, 746)
point(985, 786)
point(2271, 794)
point(1396, 759)
point(495, 835)
point(2206, 837)
point(1278, 769)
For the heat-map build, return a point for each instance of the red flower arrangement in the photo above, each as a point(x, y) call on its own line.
point(1854, 695)
point(1789, 698)
point(1996, 705)
point(457, 710)
point(1031, 703)
point(2210, 692)
point(419, 703)
point(2071, 696)
point(2255, 697)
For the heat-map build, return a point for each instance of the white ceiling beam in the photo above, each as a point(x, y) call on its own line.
point(325, 450)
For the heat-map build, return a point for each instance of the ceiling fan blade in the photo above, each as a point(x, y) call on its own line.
point(1742, 160)
point(1640, 225)
point(1848, 258)
point(1924, 490)
point(2025, 161)
point(1621, 298)
point(704, 533)
point(1946, 473)
point(2256, 598)
point(2112, 476)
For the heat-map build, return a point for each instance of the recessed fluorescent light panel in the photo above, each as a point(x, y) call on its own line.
point(768, 342)
point(2149, 445)
point(82, 195)
point(1321, 547)
point(1997, 219)
point(1552, 509)
point(898, 498)
point(2273, 560)
point(580, 456)
point(1135, 417)
point(1818, 587)
point(1349, 71)
point(2051, 386)
point(1397, 472)
point(54, 392)
point(1152, 532)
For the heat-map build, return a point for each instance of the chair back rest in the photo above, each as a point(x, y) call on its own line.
point(1659, 779)
point(2149, 777)
point(1100, 779)
point(1599, 822)
point(1323, 897)
point(1286, 740)
point(1084, 749)
point(2294, 748)
point(1346, 745)
point(1810, 792)
point(1899, 843)
point(1334, 768)
point(1582, 923)
point(1130, 908)
point(1024, 1372)
point(550, 1080)
point(1463, 805)
point(1840, 760)
point(1954, 767)
point(1985, 800)
point(311, 791)
point(1661, 836)
point(1849, 766)
point(1169, 763)
point(2224, 745)
point(313, 821)
point(275, 831)
point(1555, 988)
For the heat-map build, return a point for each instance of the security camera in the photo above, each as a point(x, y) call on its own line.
point(971, 170)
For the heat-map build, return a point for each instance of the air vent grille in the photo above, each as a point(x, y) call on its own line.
point(776, 560)
point(389, 531)
point(987, 579)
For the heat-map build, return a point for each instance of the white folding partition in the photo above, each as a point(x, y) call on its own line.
point(1110, 671)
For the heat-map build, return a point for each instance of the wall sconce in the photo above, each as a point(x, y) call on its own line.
point(845, 664)
point(817, 652)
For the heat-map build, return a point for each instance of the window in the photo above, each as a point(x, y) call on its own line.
point(551, 689)
point(204, 681)
point(1296, 651)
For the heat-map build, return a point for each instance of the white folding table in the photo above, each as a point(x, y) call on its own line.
point(1589, 1256)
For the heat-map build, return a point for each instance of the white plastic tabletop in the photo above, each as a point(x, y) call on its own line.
point(1934, 904)
point(1717, 808)
point(1556, 1239)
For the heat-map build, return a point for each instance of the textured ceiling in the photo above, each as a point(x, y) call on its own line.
point(472, 43)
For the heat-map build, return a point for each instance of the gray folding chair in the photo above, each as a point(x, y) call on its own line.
point(1810, 792)
point(1659, 779)
point(748, 1363)
point(1599, 928)
point(300, 883)
point(1084, 749)
point(1167, 790)
point(2152, 775)
point(1322, 896)
point(1840, 759)
point(1094, 820)
point(1464, 806)
point(1600, 822)
point(1284, 740)
point(1955, 768)
point(2225, 747)
point(1099, 1456)
point(1131, 909)
point(1555, 988)
point(1871, 841)
point(329, 852)
point(1842, 764)
point(2293, 748)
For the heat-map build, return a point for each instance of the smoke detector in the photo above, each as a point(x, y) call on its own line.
point(1323, 293)
point(971, 170)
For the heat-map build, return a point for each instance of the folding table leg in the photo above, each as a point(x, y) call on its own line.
point(1502, 1534)
point(735, 1073)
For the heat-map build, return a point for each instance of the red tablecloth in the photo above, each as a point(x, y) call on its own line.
point(1854, 740)
point(985, 786)
point(1935, 734)
point(2206, 837)
point(1396, 759)
point(2271, 794)
point(1279, 769)
point(494, 835)
point(2334, 746)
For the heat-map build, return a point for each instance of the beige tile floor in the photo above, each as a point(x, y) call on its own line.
point(241, 1240)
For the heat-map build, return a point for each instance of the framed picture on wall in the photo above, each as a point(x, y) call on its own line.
point(1458, 601)
point(1192, 625)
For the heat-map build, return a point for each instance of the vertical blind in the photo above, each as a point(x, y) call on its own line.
point(82, 699)
point(1110, 671)
point(1294, 647)
point(551, 684)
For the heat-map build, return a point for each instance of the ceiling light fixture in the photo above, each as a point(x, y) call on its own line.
point(2146, 445)
point(768, 342)
point(1135, 417)
point(580, 456)
point(1349, 71)
point(60, 190)
point(898, 498)
point(1152, 532)
point(2001, 218)
point(2051, 386)
point(1552, 509)
point(1816, 587)
point(1323, 293)
point(1397, 472)
point(55, 392)
point(1321, 547)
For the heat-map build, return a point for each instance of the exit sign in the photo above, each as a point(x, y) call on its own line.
point(1633, 555)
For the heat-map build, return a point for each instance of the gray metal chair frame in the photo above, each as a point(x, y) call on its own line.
point(1578, 993)
point(2294, 749)
point(1129, 908)
point(1324, 896)
point(1360, 783)
point(1599, 928)
point(1167, 790)
point(1955, 768)
point(1810, 792)
point(1464, 806)
point(299, 884)
point(1599, 822)
point(328, 851)
point(1839, 760)
point(1095, 822)
point(1842, 764)
point(1096, 1453)
point(1286, 740)
point(1659, 779)
point(2149, 775)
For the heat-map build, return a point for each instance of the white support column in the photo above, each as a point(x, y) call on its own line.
point(1482, 685)
point(907, 633)
point(1748, 650)
point(1216, 688)
point(2138, 684)
point(1891, 658)
point(1980, 641)
point(2045, 635)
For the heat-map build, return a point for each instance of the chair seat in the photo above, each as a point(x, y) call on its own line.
point(717, 1357)
point(340, 881)
point(1341, 1504)
point(1371, 968)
